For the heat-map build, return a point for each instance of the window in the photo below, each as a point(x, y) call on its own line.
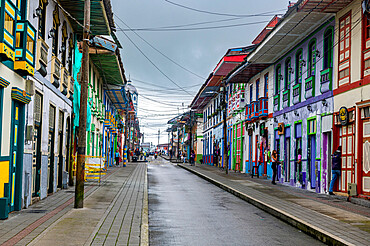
point(277, 79)
point(9, 24)
point(298, 67)
point(266, 84)
point(311, 58)
point(70, 54)
point(257, 89)
point(287, 73)
point(344, 48)
point(30, 44)
point(18, 40)
point(42, 19)
point(328, 48)
point(56, 23)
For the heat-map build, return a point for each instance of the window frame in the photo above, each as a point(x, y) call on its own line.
point(277, 79)
point(287, 74)
point(329, 63)
point(342, 52)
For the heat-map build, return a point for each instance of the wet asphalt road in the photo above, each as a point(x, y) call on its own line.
point(187, 210)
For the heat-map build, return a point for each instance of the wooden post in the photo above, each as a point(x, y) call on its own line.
point(81, 148)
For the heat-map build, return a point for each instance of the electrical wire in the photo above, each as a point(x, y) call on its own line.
point(195, 28)
point(154, 64)
point(222, 14)
point(168, 58)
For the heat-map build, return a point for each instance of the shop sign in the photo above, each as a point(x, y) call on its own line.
point(343, 116)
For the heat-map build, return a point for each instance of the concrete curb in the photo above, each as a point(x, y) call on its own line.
point(304, 226)
point(144, 234)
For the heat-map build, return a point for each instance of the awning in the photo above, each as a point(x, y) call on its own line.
point(117, 96)
point(109, 67)
point(245, 72)
point(289, 32)
point(326, 6)
point(98, 15)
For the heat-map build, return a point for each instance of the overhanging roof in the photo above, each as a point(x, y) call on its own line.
point(109, 66)
point(98, 15)
point(288, 33)
point(325, 6)
point(245, 72)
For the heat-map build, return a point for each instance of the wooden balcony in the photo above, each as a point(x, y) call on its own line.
point(42, 56)
point(297, 93)
point(65, 81)
point(55, 71)
point(25, 54)
point(263, 106)
point(286, 98)
point(326, 78)
point(276, 102)
point(310, 87)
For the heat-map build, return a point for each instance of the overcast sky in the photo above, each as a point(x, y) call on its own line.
point(196, 51)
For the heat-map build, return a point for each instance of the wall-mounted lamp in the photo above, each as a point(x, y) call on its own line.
point(275, 120)
point(285, 116)
point(37, 13)
point(303, 63)
point(280, 77)
point(290, 70)
point(62, 48)
point(51, 33)
point(324, 103)
point(296, 113)
point(309, 108)
point(317, 53)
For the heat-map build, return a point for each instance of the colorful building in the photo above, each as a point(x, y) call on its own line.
point(17, 65)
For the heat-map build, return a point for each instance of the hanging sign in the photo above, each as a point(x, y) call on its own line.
point(343, 116)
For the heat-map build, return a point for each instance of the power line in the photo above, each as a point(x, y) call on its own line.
point(195, 28)
point(223, 14)
point(154, 64)
point(160, 51)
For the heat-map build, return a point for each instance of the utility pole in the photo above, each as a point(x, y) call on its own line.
point(81, 148)
point(126, 134)
point(224, 107)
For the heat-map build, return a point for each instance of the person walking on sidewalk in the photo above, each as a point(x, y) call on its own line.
point(274, 166)
point(117, 156)
point(336, 167)
point(192, 157)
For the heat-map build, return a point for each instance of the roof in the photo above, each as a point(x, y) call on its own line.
point(227, 63)
point(101, 15)
point(266, 30)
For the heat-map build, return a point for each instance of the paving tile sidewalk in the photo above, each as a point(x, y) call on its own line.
point(54, 221)
point(331, 220)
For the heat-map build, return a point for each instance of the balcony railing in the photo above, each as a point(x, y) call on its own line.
point(310, 87)
point(255, 109)
point(263, 106)
point(65, 81)
point(24, 54)
point(55, 71)
point(286, 98)
point(42, 56)
point(71, 88)
point(277, 102)
point(326, 80)
point(297, 93)
point(248, 112)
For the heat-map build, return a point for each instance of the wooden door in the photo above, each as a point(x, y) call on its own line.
point(365, 170)
point(347, 141)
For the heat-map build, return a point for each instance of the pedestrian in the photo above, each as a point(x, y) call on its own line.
point(192, 157)
point(275, 163)
point(117, 157)
point(299, 166)
point(336, 168)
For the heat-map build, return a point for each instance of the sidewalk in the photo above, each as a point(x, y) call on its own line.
point(330, 219)
point(114, 212)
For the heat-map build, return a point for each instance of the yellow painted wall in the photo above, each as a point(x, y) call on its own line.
point(4, 175)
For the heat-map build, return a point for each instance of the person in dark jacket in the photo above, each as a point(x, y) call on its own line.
point(275, 163)
point(336, 167)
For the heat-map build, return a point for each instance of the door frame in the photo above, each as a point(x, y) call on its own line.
point(15, 177)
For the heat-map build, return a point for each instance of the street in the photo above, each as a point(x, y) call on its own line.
point(187, 210)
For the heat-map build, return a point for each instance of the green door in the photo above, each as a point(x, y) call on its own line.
point(16, 148)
